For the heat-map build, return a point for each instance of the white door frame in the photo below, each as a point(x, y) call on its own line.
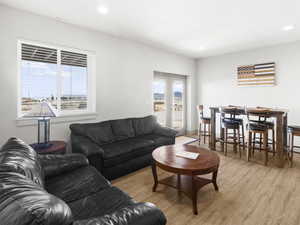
point(170, 79)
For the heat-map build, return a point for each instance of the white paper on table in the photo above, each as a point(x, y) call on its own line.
point(189, 155)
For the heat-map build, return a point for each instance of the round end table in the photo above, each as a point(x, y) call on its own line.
point(56, 147)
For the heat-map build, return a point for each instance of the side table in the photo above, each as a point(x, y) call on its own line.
point(57, 147)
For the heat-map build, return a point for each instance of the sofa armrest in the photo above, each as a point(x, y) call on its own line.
point(136, 214)
point(57, 164)
point(91, 150)
point(81, 144)
point(165, 131)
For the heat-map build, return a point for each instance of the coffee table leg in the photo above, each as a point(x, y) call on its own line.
point(178, 184)
point(154, 172)
point(214, 180)
point(194, 195)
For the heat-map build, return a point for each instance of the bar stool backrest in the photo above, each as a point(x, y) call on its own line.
point(200, 109)
point(258, 114)
point(229, 112)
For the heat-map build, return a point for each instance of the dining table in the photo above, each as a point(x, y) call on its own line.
point(280, 116)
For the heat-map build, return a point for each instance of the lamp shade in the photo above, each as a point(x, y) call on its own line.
point(42, 109)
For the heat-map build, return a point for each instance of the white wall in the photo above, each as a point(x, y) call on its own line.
point(124, 71)
point(217, 80)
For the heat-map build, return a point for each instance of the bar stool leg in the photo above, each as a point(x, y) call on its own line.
point(204, 132)
point(254, 142)
point(265, 141)
point(292, 151)
point(199, 133)
point(273, 141)
point(260, 141)
point(222, 139)
point(243, 137)
point(239, 143)
point(249, 146)
point(234, 141)
point(225, 142)
point(208, 131)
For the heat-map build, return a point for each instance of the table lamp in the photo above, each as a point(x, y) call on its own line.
point(43, 111)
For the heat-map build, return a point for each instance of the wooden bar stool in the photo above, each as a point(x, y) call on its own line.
point(257, 127)
point(271, 127)
point(239, 112)
point(230, 122)
point(292, 132)
point(205, 121)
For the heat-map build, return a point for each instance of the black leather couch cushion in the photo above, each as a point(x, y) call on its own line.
point(78, 184)
point(122, 147)
point(138, 213)
point(56, 164)
point(100, 133)
point(130, 156)
point(158, 140)
point(103, 202)
point(16, 156)
point(24, 202)
point(122, 129)
point(145, 125)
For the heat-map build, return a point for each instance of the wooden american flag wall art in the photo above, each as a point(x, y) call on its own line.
point(256, 75)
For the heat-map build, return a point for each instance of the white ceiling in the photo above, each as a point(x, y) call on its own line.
point(194, 28)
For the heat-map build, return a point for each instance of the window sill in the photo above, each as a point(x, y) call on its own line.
point(22, 122)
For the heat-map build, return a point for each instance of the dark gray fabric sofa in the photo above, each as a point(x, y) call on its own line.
point(118, 147)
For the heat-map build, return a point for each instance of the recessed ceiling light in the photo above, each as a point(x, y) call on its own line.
point(201, 48)
point(288, 27)
point(103, 10)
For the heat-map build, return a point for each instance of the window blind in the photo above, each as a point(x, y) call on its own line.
point(73, 59)
point(39, 54)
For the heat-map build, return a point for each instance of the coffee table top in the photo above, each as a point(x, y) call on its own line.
point(166, 158)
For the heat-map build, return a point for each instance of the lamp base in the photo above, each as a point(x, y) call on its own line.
point(41, 146)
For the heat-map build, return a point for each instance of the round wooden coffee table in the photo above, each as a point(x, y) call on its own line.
point(187, 170)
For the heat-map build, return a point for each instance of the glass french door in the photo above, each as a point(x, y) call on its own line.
point(169, 100)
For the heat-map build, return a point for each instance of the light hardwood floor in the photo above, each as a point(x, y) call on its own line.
point(250, 194)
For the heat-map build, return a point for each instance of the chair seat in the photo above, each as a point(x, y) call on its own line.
point(231, 123)
point(206, 119)
point(269, 124)
point(257, 126)
point(241, 121)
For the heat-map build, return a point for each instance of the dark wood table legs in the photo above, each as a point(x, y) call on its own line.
point(154, 172)
point(178, 184)
point(214, 180)
point(187, 184)
point(194, 192)
point(281, 138)
point(212, 141)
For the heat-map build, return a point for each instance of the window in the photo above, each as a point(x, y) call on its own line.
point(61, 76)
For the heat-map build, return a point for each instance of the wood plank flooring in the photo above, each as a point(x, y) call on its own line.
point(250, 193)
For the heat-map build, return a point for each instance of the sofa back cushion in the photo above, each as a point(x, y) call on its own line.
point(100, 133)
point(18, 157)
point(144, 125)
point(24, 202)
point(122, 129)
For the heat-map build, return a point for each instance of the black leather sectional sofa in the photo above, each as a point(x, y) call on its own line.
point(118, 147)
point(63, 190)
